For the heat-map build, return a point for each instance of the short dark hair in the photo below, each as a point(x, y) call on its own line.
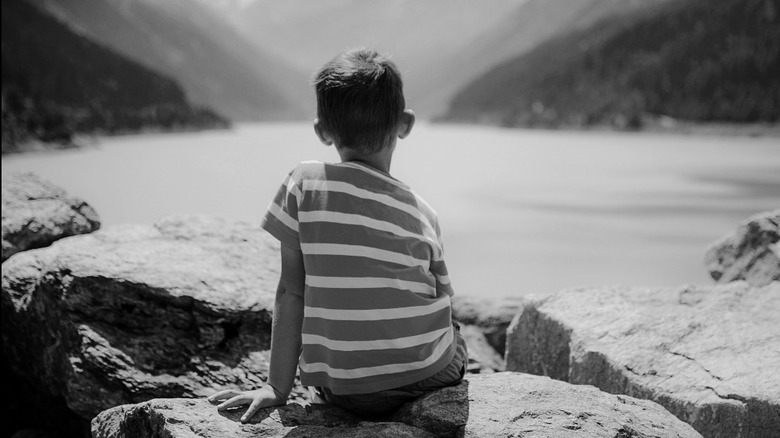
point(360, 99)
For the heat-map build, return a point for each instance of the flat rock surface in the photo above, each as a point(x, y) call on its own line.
point(37, 213)
point(130, 313)
point(751, 252)
point(496, 405)
point(709, 355)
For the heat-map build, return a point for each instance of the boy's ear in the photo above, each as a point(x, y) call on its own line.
point(407, 122)
point(321, 133)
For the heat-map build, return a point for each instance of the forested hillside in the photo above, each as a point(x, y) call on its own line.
point(423, 37)
point(689, 59)
point(187, 41)
point(56, 83)
point(519, 32)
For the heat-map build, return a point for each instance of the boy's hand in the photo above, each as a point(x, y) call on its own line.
point(285, 343)
point(259, 398)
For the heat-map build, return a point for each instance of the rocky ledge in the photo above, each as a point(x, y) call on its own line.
point(709, 354)
point(177, 310)
point(130, 313)
point(483, 406)
point(36, 213)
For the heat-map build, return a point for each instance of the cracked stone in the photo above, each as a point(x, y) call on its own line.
point(483, 406)
point(707, 354)
point(142, 313)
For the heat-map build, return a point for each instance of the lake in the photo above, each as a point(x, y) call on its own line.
point(522, 211)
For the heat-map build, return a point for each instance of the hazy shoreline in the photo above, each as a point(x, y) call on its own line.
point(680, 127)
point(83, 141)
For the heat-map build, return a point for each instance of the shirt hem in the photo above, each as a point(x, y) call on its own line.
point(384, 384)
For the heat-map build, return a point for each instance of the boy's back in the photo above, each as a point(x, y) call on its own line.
point(363, 304)
point(377, 309)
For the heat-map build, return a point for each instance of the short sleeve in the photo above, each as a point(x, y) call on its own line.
point(281, 219)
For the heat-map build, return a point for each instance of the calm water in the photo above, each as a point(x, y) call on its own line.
point(522, 211)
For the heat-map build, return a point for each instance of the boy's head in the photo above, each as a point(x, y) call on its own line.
point(360, 100)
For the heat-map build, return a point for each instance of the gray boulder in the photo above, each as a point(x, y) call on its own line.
point(483, 406)
point(709, 355)
point(37, 213)
point(130, 313)
point(751, 253)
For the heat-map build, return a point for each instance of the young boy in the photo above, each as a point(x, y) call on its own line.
point(363, 304)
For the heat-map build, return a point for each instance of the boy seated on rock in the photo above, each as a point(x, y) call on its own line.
point(363, 304)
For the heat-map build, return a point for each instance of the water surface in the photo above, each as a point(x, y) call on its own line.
point(522, 211)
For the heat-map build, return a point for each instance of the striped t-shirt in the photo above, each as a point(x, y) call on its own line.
point(377, 309)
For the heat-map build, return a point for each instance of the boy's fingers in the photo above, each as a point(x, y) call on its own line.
point(251, 410)
point(222, 395)
point(238, 400)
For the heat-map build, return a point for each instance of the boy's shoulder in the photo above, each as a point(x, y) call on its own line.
point(309, 167)
point(357, 174)
point(362, 177)
point(307, 171)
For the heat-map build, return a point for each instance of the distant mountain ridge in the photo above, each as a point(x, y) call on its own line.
point(440, 45)
point(520, 31)
point(548, 63)
point(57, 83)
point(423, 37)
point(185, 40)
point(688, 59)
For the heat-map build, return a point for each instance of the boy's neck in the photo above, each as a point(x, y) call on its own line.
point(379, 160)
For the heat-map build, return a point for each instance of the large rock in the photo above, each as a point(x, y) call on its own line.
point(179, 418)
point(496, 405)
point(751, 253)
point(178, 309)
point(709, 355)
point(36, 213)
point(131, 313)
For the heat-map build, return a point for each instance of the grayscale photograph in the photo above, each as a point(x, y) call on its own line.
point(390, 218)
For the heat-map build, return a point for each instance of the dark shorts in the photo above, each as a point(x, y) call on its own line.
point(385, 402)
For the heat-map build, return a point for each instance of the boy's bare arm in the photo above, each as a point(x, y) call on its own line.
point(285, 342)
point(287, 322)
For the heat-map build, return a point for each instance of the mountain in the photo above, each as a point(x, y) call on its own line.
point(421, 36)
point(520, 31)
point(187, 41)
point(56, 83)
point(440, 45)
point(687, 59)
